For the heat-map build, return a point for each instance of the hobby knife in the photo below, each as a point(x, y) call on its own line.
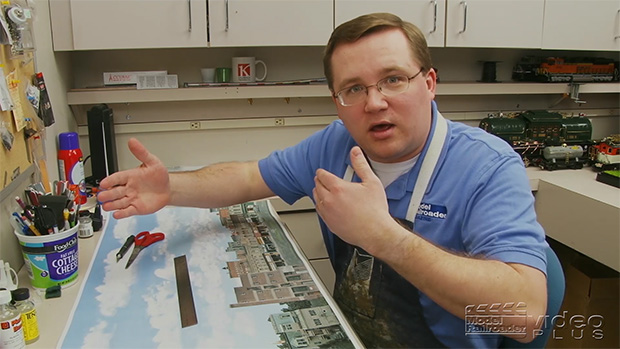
point(125, 247)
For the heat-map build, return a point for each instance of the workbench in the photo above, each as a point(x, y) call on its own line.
point(252, 286)
point(579, 212)
point(572, 206)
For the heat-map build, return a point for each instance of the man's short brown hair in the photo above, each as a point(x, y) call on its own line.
point(361, 26)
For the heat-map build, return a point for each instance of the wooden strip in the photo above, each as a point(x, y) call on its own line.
point(184, 291)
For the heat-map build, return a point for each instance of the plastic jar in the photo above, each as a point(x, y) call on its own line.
point(21, 299)
point(11, 329)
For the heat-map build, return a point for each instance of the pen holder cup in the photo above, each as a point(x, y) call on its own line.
point(51, 259)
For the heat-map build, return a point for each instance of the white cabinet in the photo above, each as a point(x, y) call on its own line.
point(493, 23)
point(124, 24)
point(428, 15)
point(127, 24)
point(582, 25)
point(270, 22)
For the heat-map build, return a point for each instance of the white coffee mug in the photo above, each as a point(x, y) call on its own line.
point(244, 69)
point(208, 74)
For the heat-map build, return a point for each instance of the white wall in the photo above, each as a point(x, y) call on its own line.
point(56, 68)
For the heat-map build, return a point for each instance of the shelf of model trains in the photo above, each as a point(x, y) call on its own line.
point(132, 95)
point(502, 88)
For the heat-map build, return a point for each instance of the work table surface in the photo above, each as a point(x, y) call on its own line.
point(246, 271)
point(581, 181)
point(558, 194)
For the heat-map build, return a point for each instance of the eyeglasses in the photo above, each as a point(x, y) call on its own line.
point(390, 86)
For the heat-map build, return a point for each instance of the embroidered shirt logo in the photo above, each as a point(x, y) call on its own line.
point(428, 211)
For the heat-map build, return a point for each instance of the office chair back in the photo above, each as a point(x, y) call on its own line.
point(556, 284)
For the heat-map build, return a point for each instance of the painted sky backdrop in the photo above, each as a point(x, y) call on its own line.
point(138, 307)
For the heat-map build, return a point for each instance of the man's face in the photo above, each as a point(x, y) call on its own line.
point(389, 129)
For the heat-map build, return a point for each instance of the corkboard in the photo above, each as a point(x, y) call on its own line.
point(18, 159)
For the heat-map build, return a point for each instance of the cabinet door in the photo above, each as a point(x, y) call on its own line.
point(428, 15)
point(582, 25)
point(493, 23)
point(270, 22)
point(120, 24)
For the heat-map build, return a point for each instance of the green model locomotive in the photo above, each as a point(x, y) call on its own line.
point(546, 139)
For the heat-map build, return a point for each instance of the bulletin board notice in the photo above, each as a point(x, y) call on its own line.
point(17, 74)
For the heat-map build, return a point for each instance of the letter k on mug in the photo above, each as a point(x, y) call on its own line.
point(244, 69)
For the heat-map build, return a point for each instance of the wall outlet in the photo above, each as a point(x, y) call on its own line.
point(279, 122)
point(194, 125)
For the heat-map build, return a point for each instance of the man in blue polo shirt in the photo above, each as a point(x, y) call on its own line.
point(424, 219)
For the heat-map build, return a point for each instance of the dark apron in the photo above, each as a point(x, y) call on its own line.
point(383, 307)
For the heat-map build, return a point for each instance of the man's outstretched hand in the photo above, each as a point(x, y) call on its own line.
point(142, 190)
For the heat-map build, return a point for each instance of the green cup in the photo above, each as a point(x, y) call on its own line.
point(223, 74)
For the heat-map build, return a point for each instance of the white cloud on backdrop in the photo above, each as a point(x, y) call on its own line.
point(114, 292)
point(205, 257)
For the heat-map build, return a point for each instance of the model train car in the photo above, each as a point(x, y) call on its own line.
point(557, 69)
point(540, 126)
point(605, 155)
point(543, 138)
point(563, 156)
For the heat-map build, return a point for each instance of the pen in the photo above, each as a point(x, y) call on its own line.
point(65, 214)
point(20, 202)
point(77, 214)
point(18, 225)
point(25, 223)
point(28, 214)
point(33, 197)
point(31, 226)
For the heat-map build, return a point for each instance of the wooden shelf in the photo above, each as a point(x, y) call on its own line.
point(523, 88)
point(132, 95)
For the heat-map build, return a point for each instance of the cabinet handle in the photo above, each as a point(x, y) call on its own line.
point(434, 2)
point(464, 3)
point(617, 16)
point(227, 25)
point(189, 14)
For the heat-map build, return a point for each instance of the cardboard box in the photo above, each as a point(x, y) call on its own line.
point(146, 82)
point(589, 314)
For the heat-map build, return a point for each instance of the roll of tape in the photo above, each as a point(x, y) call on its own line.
point(16, 15)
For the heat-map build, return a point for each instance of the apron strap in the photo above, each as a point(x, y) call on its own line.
point(429, 162)
point(348, 174)
point(428, 166)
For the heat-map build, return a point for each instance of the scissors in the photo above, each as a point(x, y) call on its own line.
point(143, 240)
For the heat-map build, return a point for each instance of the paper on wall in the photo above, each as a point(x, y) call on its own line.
point(18, 112)
point(6, 103)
